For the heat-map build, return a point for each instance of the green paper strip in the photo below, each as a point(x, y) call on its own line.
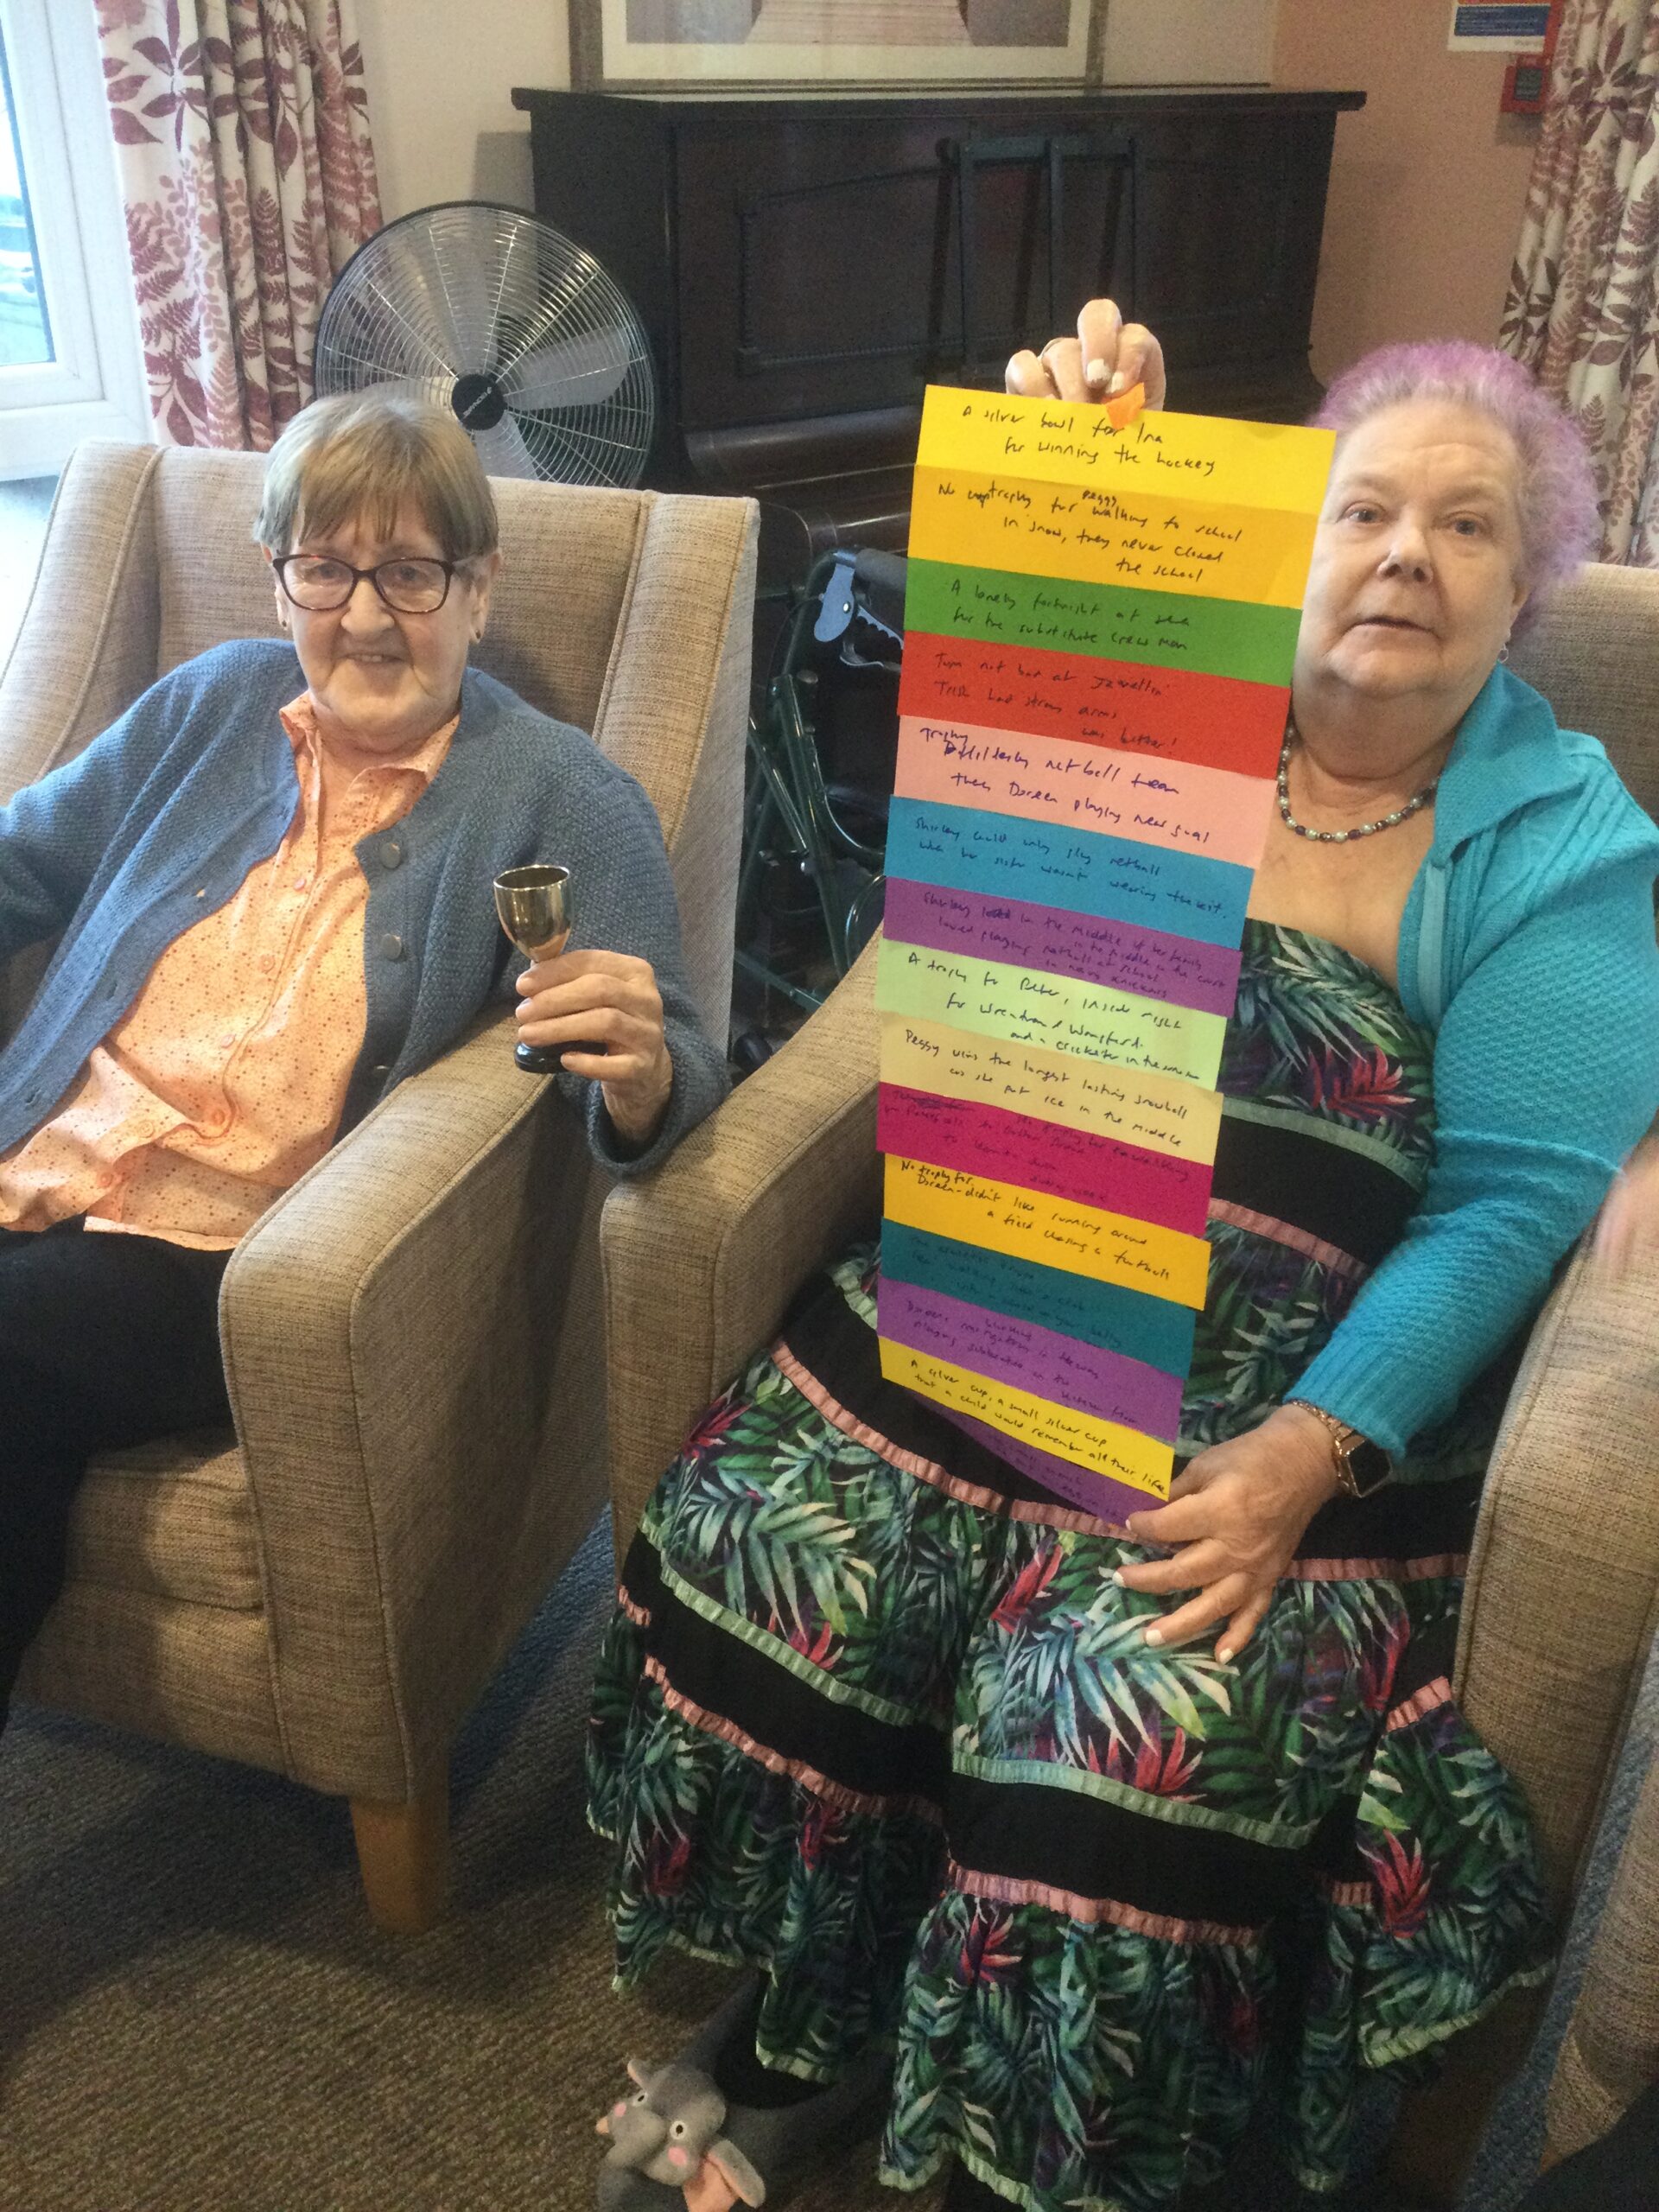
point(1216, 637)
point(1023, 1006)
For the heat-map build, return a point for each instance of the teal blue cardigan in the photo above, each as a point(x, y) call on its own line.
point(1527, 946)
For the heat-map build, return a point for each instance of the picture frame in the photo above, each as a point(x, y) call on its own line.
point(657, 46)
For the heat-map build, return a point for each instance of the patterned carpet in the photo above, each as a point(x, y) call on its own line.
point(195, 2015)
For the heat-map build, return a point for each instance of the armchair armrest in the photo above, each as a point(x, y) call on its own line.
point(1563, 1584)
point(86, 644)
point(395, 1332)
point(702, 1259)
point(1610, 2054)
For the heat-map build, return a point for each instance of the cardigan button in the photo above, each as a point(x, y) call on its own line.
point(392, 946)
point(392, 853)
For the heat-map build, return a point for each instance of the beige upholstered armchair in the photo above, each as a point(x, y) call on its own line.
point(701, 1262)
point(412, 1333)
point(1610, 2054)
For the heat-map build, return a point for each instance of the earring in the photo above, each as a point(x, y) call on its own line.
point(1504, 649)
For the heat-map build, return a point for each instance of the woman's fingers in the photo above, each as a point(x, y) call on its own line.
point(1100, 329)
point(1243, 1625)
point(1026, 377)
point(1140, 361)
point(1211, 1607)
point(1190, 1568)
point(1055, 373)
point(1107, 358)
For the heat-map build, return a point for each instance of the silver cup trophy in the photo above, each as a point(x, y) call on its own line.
point(538, 910)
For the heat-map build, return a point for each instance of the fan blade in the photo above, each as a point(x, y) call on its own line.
point(570, 373)
point(503, 451)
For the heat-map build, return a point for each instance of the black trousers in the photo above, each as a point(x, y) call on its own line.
point(105, 1340)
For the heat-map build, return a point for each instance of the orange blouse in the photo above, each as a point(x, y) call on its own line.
point(227, 1077)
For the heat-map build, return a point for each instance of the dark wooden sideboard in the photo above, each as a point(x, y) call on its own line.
point(799, 262)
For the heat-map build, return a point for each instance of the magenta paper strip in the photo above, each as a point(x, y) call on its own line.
point(1080, 1486)
point(1166, 802)
point(1065, 1369)
point(1116, 955)
point(1066, 1163)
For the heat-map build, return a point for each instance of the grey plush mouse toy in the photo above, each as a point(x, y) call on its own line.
point(669, 2131)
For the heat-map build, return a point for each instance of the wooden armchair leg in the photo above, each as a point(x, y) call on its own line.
point(1440, 2126)
point(404, 1854)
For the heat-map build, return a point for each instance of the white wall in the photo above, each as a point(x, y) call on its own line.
point(439, 73)
point(1189, 41)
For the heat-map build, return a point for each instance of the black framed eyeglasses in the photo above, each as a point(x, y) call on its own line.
point(322, 585)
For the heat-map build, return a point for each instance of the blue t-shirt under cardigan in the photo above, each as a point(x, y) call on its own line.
point(1527, 946)
point(162, 816)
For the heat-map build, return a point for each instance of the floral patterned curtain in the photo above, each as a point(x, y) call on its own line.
point(243, 139)
point(1583, 308)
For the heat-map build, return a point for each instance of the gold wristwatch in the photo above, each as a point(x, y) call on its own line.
point(1361, 1466)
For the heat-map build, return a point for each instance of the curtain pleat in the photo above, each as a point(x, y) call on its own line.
point(242, 133)
point(1583, 305)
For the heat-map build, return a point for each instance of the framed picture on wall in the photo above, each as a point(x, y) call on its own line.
point(796, 45)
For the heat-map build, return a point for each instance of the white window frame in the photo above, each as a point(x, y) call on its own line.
point(94, 387)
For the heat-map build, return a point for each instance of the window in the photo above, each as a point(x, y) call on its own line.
point(70, 365)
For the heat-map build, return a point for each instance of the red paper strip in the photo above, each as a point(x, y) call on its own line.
point(1217, 722)
point(1046, 1156)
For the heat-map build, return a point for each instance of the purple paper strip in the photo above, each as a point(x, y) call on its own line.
point(1089, 1492)
point(1073, 1373)
point(1151, 962)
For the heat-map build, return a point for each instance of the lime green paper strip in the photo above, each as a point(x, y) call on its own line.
point(1026, 1007)
point(1216, 637)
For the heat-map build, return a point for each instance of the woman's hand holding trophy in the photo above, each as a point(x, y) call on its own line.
point(591, 1014)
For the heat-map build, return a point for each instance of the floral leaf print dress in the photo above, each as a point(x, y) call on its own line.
point(872, 1716)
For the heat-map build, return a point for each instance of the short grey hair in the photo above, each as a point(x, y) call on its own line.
point(362, 455)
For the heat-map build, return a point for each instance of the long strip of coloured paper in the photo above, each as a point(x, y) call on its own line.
point(1101, 623)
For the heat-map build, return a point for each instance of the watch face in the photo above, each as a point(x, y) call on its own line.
point(1369, 1464)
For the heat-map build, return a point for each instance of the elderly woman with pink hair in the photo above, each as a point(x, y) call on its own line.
point(1117, 1836)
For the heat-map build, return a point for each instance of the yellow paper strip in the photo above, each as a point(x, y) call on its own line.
point(1123, 1455)
point(1153, 541)
point(1158, 1112)
point(1066, 442)
point(1055, 1232)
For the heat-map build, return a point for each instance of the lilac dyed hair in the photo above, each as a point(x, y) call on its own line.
point(1556, 485)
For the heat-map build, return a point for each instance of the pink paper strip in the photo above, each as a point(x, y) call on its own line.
point(1080, 1486)
point(1066, 1369)
point(1166, 802)
point(1065, 1163)
point(1115, 955)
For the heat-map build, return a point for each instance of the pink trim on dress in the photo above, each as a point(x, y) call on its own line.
point(1001, 1889)
point(1431, 1696)
point(929, 1471)
point(1432, 1569)
point(1281, 1232)
point(630, 1606)
point(1358, 1894)
point(833, 1793)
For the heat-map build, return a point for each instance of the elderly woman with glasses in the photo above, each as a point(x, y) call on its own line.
point(271, 885)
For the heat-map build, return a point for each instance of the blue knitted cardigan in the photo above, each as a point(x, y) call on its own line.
point(162, 818)
point(1527, 946)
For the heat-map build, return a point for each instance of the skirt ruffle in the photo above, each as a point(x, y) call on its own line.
point(895, 1740)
